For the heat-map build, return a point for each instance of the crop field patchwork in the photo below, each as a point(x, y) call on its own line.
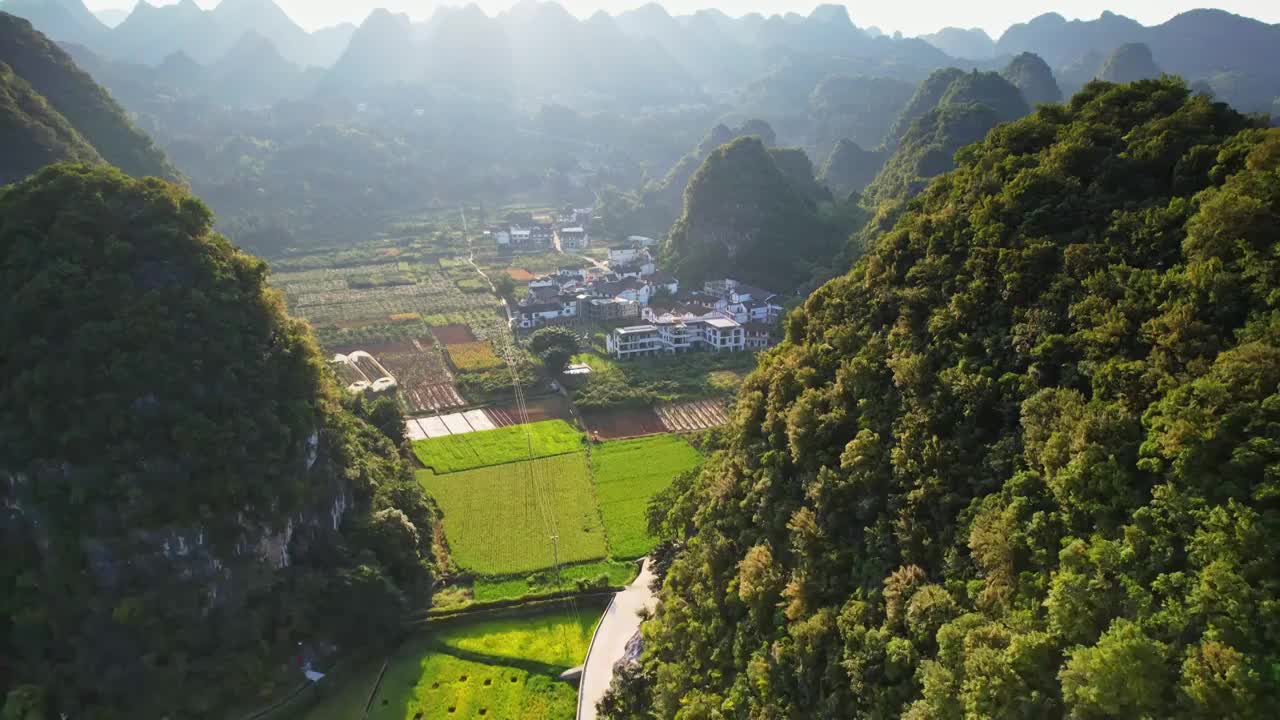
point(454, 453)
point(499, 520)
point(627, 474)
point(398, 304)
point(473, 357)
point(426, 384)
point(453, 334)
point(504, 669)
point(371, 296)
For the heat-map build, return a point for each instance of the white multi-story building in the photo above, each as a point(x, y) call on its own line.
point(572, 238)
point(716, 334)
point(536, 314)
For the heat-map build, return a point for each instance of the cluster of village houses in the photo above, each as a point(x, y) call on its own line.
point(568, 232)
point(656, 314)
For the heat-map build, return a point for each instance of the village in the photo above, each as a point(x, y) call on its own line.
point(647, 310)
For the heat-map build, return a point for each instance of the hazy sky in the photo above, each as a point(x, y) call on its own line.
point(912, 17)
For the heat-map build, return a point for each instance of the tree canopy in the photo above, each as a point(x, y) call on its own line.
point(744, 218)
point(850, 168)
point(1022, 460)
point(554, 346)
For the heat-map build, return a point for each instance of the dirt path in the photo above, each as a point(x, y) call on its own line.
point(471, 259)
point(619, 625)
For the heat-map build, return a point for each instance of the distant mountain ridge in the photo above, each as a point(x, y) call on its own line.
point(971, 44)
point(538, 49)
point(1210, 45)
point(148, 33)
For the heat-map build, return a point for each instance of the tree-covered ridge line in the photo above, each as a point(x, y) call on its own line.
point(73, 99)
point(188, 494)
point(39, 134)
point(1021, 461)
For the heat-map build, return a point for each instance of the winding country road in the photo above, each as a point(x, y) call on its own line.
point(609, 644)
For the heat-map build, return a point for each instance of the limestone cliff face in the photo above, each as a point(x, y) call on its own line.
point(117, 556)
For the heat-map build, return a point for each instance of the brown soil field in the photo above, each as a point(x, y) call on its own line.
point(615, 424)
point(551, 408)
point(454, 334)
point(520, 274)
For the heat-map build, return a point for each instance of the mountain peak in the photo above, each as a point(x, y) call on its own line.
point(831, 13)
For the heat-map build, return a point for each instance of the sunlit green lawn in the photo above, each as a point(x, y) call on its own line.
point(498, 670)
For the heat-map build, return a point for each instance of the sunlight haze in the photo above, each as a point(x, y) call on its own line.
point(916, 19)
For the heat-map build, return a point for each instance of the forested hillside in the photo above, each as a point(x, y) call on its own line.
point(178, 462)
point(1021, 461)
point(32, 133)
point(950, 110)
point(850, 168)
point(746, 218)
point(73, 94)
point(1033, 77)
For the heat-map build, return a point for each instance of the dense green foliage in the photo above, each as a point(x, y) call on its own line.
point(797, 168)
point(627, 474)
point(745, 219)
point(850, 169)
point(1021, 461)
point(951, 109)
point(647, 381)
point(927, 97)
point(1031, 75)
point(176, 462)
point(929, 148)
point(859, 108)
point(503, 669)
point(989, 89)
point(654, 209)
point(453, 453)
point(500, 520)
point(73, 94)
point(32, 133)
point(554, 346)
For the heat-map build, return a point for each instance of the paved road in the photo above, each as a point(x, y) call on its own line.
point(619, 625)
